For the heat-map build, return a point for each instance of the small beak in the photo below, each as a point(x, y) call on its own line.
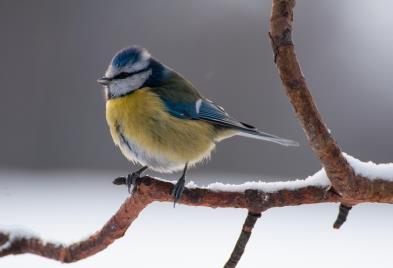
point(104, 81)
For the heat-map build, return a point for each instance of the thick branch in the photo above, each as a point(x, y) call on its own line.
point(149, 190)
point(323, 144)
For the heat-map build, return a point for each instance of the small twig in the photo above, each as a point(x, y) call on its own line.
point(243, 239)
point(342, 216)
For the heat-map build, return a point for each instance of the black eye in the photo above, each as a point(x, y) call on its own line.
point(121, 75)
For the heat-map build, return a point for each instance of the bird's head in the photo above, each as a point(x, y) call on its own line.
point(129, 70)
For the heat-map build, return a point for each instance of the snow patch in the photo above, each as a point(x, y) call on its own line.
point(319, 179)
point(370, 169)
point(15, 233)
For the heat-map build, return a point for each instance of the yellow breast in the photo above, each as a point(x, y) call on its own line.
point(143, 119)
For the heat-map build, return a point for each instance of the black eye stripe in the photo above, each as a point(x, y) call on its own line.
point(121, 75)
point(124, 75)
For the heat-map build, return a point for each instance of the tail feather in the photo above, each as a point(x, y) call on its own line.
point(256, 134)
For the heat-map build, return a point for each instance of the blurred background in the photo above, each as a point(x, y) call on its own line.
point(52, 52)
point(53, 135)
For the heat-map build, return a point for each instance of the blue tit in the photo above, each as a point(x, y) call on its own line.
point(158, 118)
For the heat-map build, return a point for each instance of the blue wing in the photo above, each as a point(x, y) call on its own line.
point(211, 112)
point(206, 110)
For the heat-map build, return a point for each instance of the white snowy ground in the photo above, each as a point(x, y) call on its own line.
point(68, 206)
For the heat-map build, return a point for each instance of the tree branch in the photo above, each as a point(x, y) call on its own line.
point(261, 197)
point(242, 240)
point(321, 141)
point(353, 187)
point(149, 190)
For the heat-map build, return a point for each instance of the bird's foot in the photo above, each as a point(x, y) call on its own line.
point(130, 180)
point(178, 190)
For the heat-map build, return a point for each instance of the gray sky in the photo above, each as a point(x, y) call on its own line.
point(52, 109)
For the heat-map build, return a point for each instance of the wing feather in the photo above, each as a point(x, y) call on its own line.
point(206, 110)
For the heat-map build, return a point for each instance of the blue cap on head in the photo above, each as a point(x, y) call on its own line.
point(128, 60)
point(129, 55)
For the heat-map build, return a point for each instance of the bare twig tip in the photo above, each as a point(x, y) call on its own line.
point(119, 181)
point(241, 243)
point(342, 216)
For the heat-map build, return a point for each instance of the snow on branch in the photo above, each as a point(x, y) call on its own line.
point(319, 179)
point(371, 170)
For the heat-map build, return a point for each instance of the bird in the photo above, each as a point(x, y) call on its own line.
point(160, 120)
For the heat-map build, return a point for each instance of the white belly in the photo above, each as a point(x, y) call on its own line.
point(135, 153)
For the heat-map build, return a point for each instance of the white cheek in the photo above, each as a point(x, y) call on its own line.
point(118, 88)
point(124, 86)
